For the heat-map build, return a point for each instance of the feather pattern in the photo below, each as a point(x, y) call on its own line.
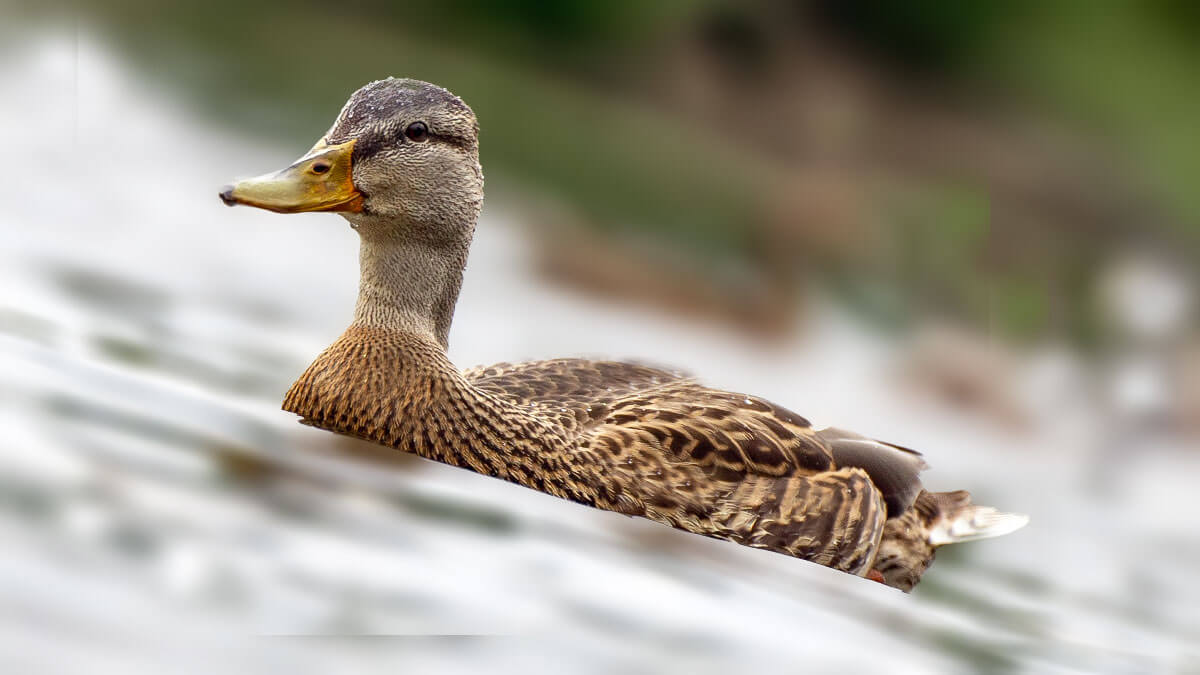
point(623, 437)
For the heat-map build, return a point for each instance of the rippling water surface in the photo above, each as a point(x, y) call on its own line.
point(153, 497)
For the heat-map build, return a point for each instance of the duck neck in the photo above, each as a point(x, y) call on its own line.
point(409, 285)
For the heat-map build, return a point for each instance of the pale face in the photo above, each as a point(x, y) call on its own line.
point(401, 160)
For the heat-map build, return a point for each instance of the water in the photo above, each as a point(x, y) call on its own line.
point(154, 500)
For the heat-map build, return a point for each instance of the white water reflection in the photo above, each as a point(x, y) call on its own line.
point(146, 333)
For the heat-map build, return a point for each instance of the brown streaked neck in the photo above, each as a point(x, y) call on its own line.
point(409, 285)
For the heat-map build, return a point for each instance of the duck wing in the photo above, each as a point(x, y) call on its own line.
point(728, 434)
point(574, 393)
point(720, 463)
point(736, 467)
point(572, 381)
point(893, 468)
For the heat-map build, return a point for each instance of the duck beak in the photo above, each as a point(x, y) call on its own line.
point(319, 181)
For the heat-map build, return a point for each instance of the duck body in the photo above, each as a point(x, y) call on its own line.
point(642, 442)
point(622, 437)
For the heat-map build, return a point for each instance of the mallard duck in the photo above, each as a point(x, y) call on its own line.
point(401, 164)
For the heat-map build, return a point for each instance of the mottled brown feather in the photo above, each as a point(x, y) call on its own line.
point(622, 437)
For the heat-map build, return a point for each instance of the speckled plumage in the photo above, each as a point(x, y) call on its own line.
point(617, 436)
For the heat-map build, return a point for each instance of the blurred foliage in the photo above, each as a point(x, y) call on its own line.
point(1128, 71)
point(576, 102)
point(921, 33)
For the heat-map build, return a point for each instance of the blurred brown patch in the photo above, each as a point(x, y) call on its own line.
point(1187, 385)
point(653, 275)
point(967, 371)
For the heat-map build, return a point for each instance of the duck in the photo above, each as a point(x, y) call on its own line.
point(401, 164)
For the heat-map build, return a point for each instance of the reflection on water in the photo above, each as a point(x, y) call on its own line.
point(150, 486)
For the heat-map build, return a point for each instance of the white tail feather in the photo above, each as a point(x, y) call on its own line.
point(975, 522)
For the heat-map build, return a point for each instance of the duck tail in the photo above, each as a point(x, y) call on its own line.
point(951, 518)
point(937, 518)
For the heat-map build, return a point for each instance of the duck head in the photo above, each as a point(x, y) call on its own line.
point(400, 161)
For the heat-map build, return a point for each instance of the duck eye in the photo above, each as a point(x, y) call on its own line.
point(417, 131)
point(320, 167)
